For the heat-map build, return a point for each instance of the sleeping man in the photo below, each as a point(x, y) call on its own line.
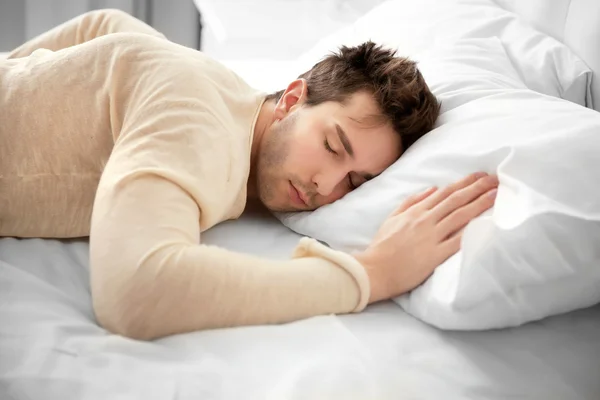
point(111, 131)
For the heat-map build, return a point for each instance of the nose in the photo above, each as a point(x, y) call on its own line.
point(326, 181)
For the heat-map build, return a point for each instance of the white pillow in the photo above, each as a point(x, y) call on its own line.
point(543, 63)
point(536, 253)
point(573, 22)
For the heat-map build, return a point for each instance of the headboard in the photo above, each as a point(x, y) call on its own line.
point(576, 23)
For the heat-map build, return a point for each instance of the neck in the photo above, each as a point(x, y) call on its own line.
point(264, 120)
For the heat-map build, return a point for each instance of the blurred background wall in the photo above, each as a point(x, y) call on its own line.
point(225, 29)
point(21, 20)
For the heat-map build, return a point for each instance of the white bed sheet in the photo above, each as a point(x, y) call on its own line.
point(51, 347)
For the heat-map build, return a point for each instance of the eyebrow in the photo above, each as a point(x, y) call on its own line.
point(348, 147)
point(344, 140)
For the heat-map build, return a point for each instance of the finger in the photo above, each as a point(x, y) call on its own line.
point(463, 196)
point(451, 246)
point(448, 248)
point(448, 190)
point(458, 232)
point(458, 219)
point(414, 199)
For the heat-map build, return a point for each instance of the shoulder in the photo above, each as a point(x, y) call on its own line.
point(130, 44)
point(169, 59)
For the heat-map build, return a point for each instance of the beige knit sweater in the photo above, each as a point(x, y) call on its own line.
point(107, 129)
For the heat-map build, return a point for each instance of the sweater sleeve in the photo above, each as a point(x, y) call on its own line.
point(151, 278)
point(84, 28)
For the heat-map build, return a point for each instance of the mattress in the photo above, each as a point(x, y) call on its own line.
point(52, 348)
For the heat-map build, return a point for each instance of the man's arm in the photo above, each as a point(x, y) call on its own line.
point(84, 28)
point(151, 278)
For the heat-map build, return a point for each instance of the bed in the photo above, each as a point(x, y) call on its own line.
point(52, 348)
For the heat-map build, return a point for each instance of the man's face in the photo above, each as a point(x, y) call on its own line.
point(315, 155)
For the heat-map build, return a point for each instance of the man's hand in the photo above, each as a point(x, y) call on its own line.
point(422, 233)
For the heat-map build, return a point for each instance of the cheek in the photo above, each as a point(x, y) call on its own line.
point(309, 137)
point(305, 155)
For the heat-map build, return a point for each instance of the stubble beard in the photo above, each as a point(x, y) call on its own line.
point(273, 153)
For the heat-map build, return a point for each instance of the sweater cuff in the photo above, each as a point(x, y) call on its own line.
point(308, 247)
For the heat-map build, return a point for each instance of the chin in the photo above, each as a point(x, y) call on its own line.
point(273, 204)
point(278, 206)
point(278, 209)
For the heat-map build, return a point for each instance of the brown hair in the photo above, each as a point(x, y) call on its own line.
point(396, 84)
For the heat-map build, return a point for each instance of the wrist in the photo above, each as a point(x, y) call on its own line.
point(377, 285)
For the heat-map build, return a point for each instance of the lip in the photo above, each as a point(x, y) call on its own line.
point(296, 196)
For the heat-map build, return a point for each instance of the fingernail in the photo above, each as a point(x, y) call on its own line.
point(493, 193)
point(480, 174)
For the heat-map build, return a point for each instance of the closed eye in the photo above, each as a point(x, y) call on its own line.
point(351, 184)
point(356, 182)
point(328, 147)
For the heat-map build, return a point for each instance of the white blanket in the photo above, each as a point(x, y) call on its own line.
point(51, 347)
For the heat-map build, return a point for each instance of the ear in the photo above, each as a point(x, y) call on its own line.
point(293, 97)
